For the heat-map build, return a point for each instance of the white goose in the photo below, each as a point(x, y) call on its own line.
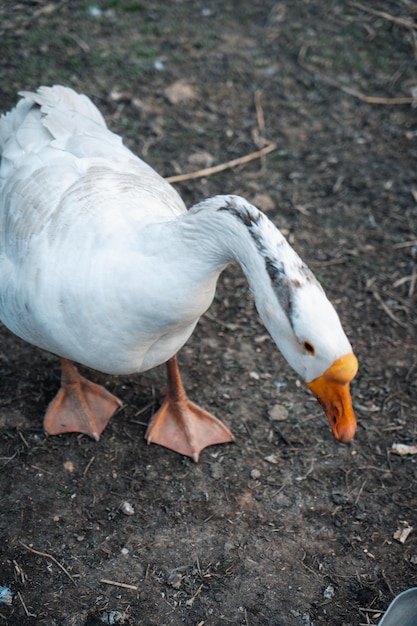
point(101, 263)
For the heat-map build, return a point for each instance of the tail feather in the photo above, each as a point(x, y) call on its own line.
point(52, 115)
point(66, 100)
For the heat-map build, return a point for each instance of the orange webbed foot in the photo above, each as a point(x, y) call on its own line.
point(181, 425)
point(80, 406)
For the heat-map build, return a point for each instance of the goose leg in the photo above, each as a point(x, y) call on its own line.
point(181, 425)
point(80, 406)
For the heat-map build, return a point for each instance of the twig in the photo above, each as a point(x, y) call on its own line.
point(387, 310)
point(223, 166)
point(375, 99)
point(23, 439)
point(89, 464)
point(259, 133)
point(49, 556)
point(28, 614)
point(405, 244)
point(144, 409)
point(407, 279)
point(246, 425)
point(358, 94)
point(339, 261)
point(190, 602)
point(386, 16)
point(360, 492)
point(7, 459)
point(117, 584)
point(259, 113)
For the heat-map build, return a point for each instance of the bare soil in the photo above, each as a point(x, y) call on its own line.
point(285, 527)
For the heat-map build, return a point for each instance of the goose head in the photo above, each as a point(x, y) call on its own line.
point(298, 315)
point(308, 332)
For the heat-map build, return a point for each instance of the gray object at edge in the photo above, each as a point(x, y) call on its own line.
point(402, 611)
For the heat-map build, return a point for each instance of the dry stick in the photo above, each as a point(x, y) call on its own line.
point(261, 122)
point(259, 112)
point(396, 20)
point(412, 283)
point(28, 614)
point(116, 584)
point(360, 492)
point(387, 310)
point(354, 92)
point(358, 94)
point(49, 556)
point(405, 244)
point(89, 464)
point(223, 166)
point(374, 99)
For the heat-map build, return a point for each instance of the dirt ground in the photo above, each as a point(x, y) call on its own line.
point(285, 527)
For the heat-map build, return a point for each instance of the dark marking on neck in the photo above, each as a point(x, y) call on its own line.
point(275, 268)
point(244, 215)
point(283, 286)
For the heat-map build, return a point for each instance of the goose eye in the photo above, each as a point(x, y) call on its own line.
point(309, 347)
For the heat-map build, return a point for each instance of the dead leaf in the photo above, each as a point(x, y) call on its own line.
point(402, 532)
point(264, 202)
point(201, 159)
point(402, 449)
point(180, 91)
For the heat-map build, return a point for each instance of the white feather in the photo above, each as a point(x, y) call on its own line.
point(101, 263)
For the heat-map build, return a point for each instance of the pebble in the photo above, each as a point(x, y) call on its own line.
point(175, 579)
point(278, 413)
point(126, 508)
point(112, 617)
point(95, 11)
point(6, 595)
point(255, 474)
point(216, 470)
point(328, 593)
point(272, 458)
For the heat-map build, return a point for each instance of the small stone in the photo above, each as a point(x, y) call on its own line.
point(339, 498)
point(255, 474)
point(95, 11)
point(126, 508)
point(6, 596)
point(216, 470)
point(328, 593)
point(175, 579)
point(112, 617)
point(278, 413)
point(272, 458)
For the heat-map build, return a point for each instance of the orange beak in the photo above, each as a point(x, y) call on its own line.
point(332, 391)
